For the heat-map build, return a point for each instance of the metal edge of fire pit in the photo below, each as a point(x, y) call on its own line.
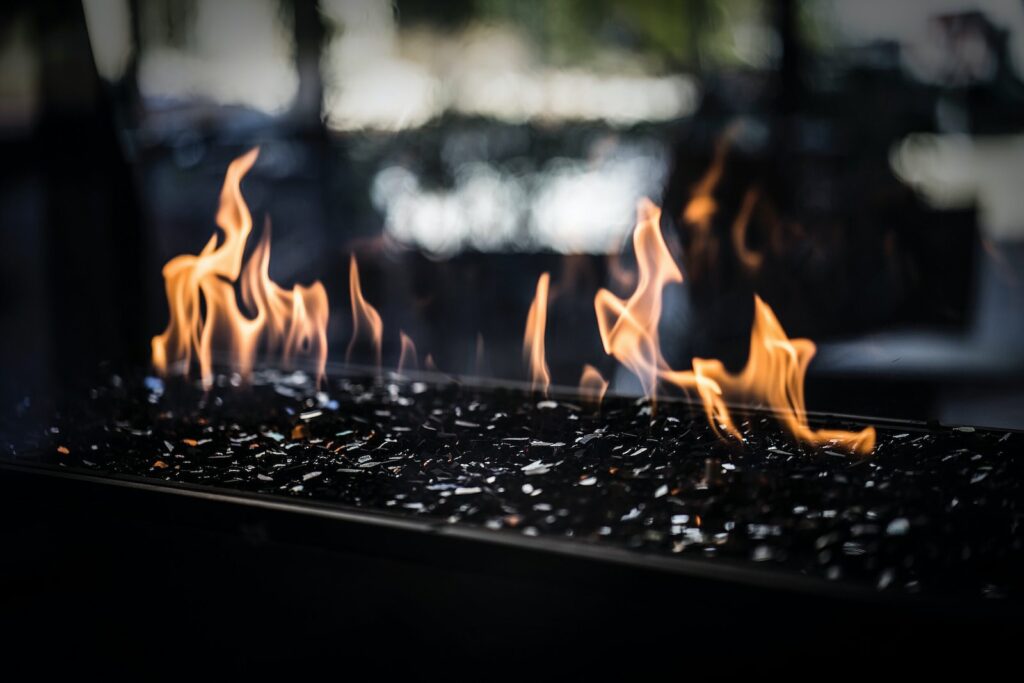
point(570, 394)
point(718, 570)
point(489, 560)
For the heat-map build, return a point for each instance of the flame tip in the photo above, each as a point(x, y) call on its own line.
point(365, 318)
point(408, 352)
point(592, 385)
point(533, 336)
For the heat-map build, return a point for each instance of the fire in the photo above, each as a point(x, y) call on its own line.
point(294, 322)
point(365, 318)
point(533, 339)
point(773, 378)
point(629, 329)
point(408, 356)
point(592, 385)
point(204, 310)
point(750, 259)
point(775, 371)
point(702, 206)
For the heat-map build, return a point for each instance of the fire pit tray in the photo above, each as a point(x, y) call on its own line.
point(934, 511)
point(136, 572)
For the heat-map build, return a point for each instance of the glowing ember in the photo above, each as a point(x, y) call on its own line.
point(204, 311)
point(533, 339)
point(365, 318)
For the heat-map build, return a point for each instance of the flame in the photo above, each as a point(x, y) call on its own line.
point(775, 371)
point(294, 322)
point(290, 323)
point(750, 259)
point(533, 339)
point(774, 378)
point(592, 385)
point(629, 329)
point(365, 318)
point(702, 205)
point(408, 355)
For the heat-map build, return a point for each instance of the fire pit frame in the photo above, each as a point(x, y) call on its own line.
point(266, 577)
point(445, 591)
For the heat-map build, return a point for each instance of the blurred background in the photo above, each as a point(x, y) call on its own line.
point(866, 159)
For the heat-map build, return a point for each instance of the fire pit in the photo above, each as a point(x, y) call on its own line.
point(894, 507)
point(730, 479)
point(933, 511)
point(528, 370)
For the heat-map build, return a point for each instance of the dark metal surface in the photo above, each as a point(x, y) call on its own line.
point(141, 576)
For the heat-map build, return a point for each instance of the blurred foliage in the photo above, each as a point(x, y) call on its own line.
point(664, 33)
point(816, 25)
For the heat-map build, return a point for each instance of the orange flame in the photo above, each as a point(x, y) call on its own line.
point(629, 329)
point(773, 378)
point(408, 355)
point(750, 259)
point(702, 205)
point(295, 322)
point(365, 318)
point(592, 385)
point(775, 372)
point(533, 339)
point(290, 323)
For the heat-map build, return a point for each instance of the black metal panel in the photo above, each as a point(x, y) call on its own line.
point(139, 577)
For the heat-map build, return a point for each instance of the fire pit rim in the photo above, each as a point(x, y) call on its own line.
point(721, 570)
